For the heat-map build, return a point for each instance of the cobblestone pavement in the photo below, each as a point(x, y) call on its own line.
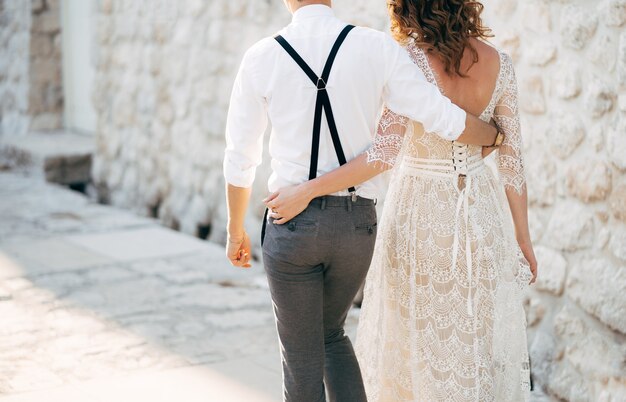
point(99, 305)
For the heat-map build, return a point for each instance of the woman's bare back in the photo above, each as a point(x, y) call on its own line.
point(473, 92)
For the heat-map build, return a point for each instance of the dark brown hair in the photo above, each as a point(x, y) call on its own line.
point(443, 26)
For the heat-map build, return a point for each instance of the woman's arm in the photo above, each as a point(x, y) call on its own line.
point(511, 164)
point(380, 157)
point(288, 202)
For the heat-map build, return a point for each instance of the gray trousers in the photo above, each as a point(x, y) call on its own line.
point(315, 266)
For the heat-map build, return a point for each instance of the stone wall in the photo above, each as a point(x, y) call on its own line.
point(164, 73)
point(15, 24)
point(570, 58)
point(46, 88)
point(163, 86)
point(30, 66)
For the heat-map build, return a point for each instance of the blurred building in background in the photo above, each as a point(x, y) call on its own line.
point(136, 92)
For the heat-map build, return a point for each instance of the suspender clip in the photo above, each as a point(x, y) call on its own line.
point(353, 196)
point(321, 84)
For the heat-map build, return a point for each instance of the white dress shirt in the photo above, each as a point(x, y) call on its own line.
point(370, 70)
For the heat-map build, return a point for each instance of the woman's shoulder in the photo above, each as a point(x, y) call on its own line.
point(487, 52)
point(496, 59)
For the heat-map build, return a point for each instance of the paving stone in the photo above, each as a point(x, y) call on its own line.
point(241, 319)
point(124, 298)
point(98, 305)
point(143, 243)
point(54, 254)
point(220, 298)
point(220, 382)
point(108, 274)
point(9, 267)
point(27, 374)
point(62, 394)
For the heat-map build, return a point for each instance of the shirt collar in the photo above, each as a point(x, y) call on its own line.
point(314, 10)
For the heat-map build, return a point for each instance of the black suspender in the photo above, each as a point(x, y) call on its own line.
point(322, 102)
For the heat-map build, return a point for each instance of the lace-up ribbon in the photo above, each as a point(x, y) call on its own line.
point(460, 166)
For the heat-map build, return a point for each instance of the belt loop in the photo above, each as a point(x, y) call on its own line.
point(349, 201)
point(323, 207)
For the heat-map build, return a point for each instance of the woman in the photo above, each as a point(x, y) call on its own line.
point(442, 317)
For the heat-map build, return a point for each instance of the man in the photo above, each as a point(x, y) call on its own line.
point(317, 262)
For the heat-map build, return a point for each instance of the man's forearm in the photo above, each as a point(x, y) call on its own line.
point(477, 132)
point(237, 199)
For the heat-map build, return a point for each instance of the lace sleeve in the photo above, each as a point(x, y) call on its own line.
point(388, 141)
point(506, 115)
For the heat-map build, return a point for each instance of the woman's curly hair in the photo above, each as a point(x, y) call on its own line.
point(445, 26)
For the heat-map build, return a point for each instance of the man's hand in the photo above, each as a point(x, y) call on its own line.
point(288, 202)
point(487, 150)
point(238, 250)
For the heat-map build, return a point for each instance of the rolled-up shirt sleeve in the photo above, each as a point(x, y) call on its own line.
point(408, 93)
point(246, 124)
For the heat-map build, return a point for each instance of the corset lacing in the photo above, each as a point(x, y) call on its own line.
point(460, 168)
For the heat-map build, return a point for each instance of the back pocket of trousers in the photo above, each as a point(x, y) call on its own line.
point(294, 242)
point(366, 229)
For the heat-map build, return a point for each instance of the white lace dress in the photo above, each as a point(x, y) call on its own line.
point(443, 318)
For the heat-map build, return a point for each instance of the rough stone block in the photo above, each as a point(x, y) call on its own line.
point(46, 121)
point(597, 285)
point(532, 99)
point(618, 243)
point(540, 52)
point(571, 227)
point(41, 45)
point(535, 16)
point(599, 98)
point(621, 60)
point(543, 356)
point(578, 25)
point(567, 80)
point(614, 12)
point(48, 22)
point(106, 6)
point(45, 71)
point(603, 52)
point(37, 6)
point(589, 181)
point(61, 157)
point(568, 384)
point(535, 311)
point(593, 352)
point(566, 133)
point(617, 203)
point(616, 143)
point(552, 270)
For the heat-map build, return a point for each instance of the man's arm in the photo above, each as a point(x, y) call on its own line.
point(238, 246)
point(477, 132)
point(409, 94)
point(246, 124)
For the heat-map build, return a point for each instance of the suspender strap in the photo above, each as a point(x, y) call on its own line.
point(322, 102)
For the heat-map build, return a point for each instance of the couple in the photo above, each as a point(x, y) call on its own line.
point(442, 318)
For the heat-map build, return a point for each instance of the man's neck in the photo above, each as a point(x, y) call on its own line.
point(296, 5)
